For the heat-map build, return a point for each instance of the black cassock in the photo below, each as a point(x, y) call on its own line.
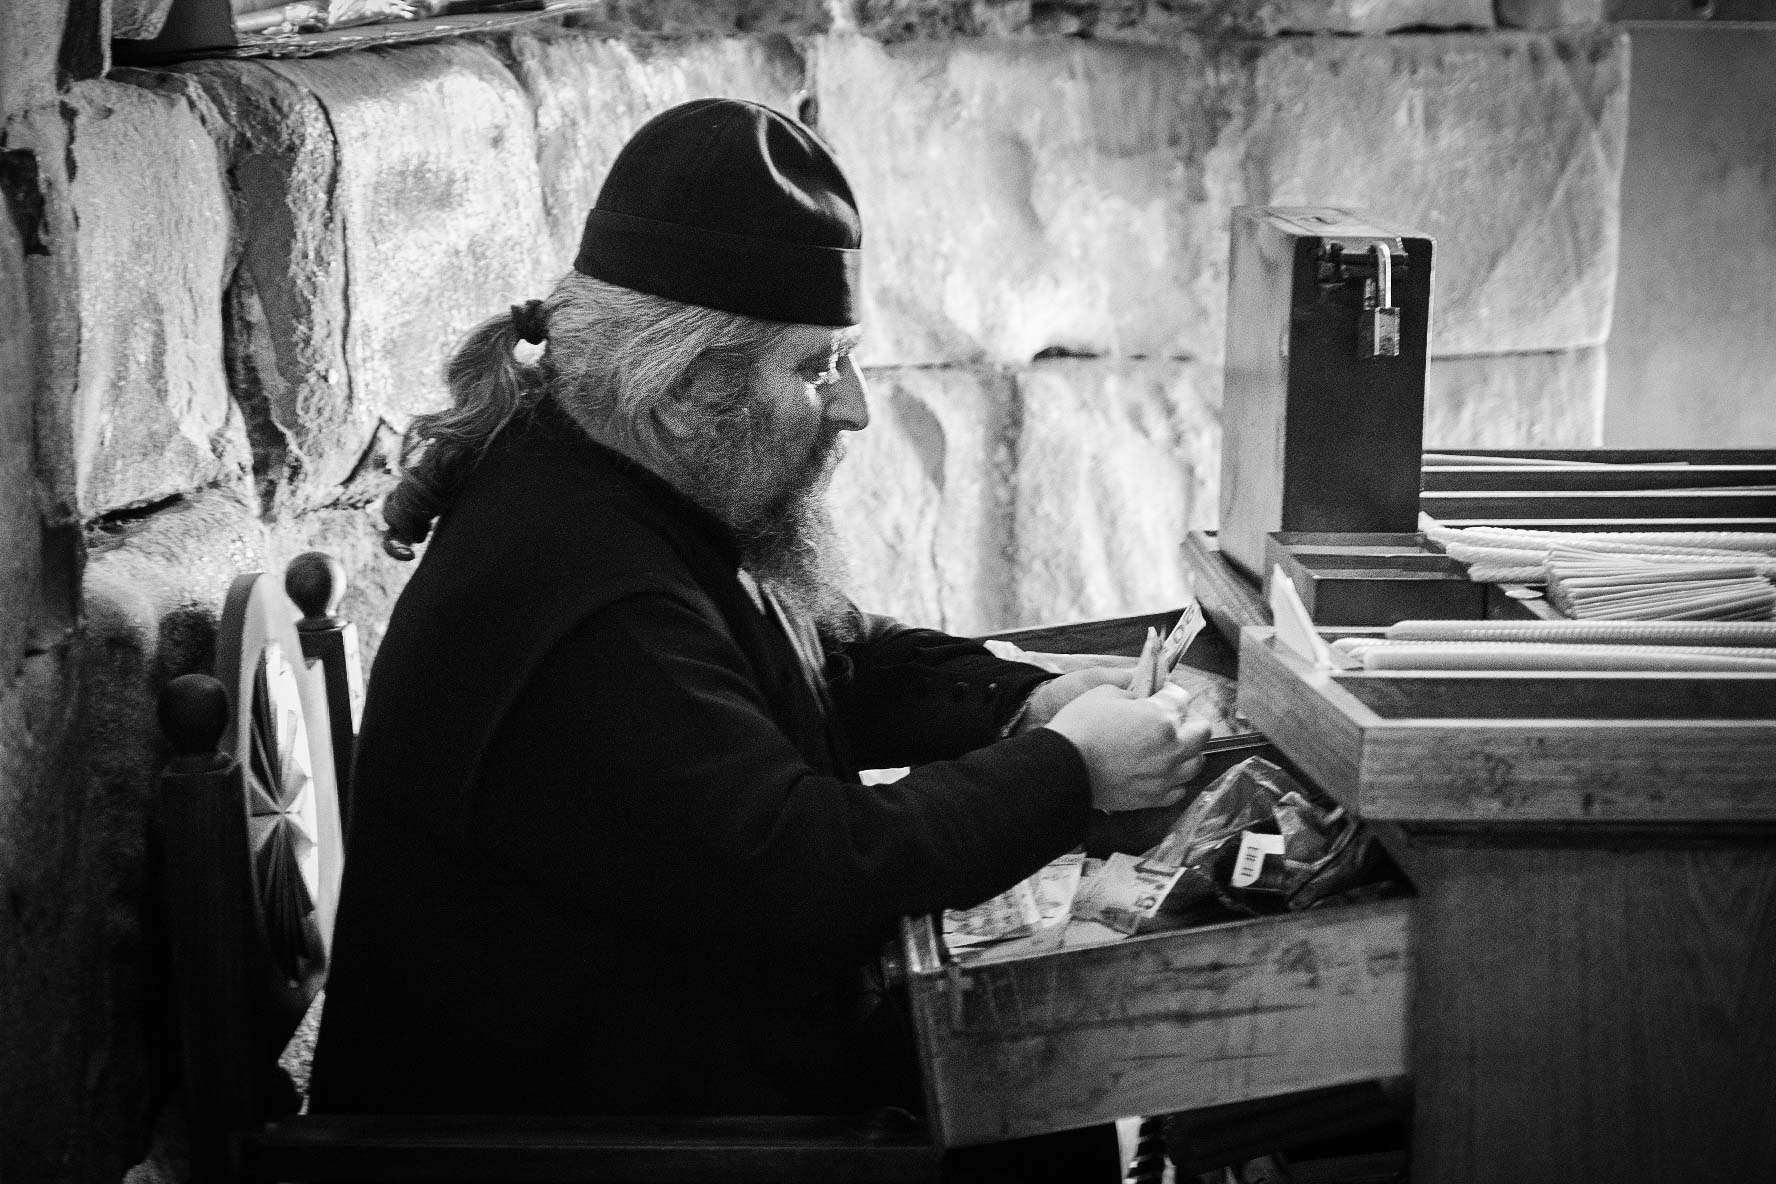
point(608, 853)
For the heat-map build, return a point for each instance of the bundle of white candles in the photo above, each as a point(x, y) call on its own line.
point(1630, 575)
point(1592, 586)
point(1743, 646)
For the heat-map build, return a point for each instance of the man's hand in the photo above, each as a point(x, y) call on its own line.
point(1049, 697)
point(1138, 752)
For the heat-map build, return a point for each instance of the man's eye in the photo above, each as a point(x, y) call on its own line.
point(824, 375)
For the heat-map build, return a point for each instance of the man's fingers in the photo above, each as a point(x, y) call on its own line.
point(1174, 795)
point(1193, 734)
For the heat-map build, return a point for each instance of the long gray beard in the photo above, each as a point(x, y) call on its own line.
point(790, 542)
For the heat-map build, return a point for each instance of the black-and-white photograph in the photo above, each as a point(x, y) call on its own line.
point(887, 591)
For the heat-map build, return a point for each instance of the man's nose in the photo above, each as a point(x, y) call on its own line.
point(848, 408)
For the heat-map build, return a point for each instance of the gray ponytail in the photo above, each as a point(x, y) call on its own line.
point(488, 387)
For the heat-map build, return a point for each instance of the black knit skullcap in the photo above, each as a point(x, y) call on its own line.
point(730, 205)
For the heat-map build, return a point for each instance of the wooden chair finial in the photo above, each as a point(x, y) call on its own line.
point(315, 580)
point(193, 710)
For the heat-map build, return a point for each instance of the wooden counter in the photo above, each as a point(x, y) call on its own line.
point(1594, 994)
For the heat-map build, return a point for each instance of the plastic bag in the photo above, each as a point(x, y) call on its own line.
point(1256, 842)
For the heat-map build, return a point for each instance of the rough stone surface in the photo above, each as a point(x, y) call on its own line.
point(590, 94)
point(1552, 400)
point(1506, 148)
point(36, 686)
point(138, 20)
point(1694, 345)
point(922, 502)
point(1039, 194)
point(285, 312)
point(1156, 21)
point(30, 38)
point(1115, 461)
point(438, 193)
point(706, 18)
point(153, 414)
point(1369, 16)
point(1549, 14)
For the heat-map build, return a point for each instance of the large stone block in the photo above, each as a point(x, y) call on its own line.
point(921, 499)
point(1549, 14)
point(30, 40)
point(1272, 17)
point(1161, 22)
point(138, 20)
point(1552, 400)
point(437, 190)
point(1694, 345)
point(287, 310)
point(1115, 462)
point(1030, 195)
point(710, 18)
point(590, 94)
point(152, 416)
point(1506, 148)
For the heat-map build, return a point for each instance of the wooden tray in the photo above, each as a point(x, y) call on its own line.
point(1506, 747)
point(1158, 1023)
point(1373, 579)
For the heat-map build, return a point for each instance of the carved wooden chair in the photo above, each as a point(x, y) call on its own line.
point(249, 820)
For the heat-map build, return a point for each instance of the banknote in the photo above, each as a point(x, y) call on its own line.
point(1124, 891)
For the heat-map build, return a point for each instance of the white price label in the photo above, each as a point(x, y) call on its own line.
point(1253, 848)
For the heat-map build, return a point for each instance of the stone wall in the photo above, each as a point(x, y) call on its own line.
point(1694, 345)
point(228, 286)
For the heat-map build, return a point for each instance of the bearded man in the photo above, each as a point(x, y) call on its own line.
point(609, 850)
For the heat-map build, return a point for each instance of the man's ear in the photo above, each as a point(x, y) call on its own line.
point(676, 414)
point(707, 390)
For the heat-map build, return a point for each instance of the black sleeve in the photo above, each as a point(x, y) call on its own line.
point(905, 696)
point(641, 775)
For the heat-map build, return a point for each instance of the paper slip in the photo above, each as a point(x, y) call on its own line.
point(1249, 865)
point(1125, 891)
point(1294, 627)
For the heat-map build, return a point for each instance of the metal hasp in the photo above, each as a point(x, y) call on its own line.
point(1328, 320)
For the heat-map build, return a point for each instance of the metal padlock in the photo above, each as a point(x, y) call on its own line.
point(1379, 323)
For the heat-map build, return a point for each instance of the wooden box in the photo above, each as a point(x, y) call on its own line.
point(1604, 490)
point(1373, 579)
point(1158, 1023)
point(1510, 747)
point(1318, 432)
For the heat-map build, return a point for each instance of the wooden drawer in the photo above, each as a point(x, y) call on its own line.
point(1158, 1023)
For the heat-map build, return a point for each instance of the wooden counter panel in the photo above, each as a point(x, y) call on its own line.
point(1164, 1022)
point(1595, 1011)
